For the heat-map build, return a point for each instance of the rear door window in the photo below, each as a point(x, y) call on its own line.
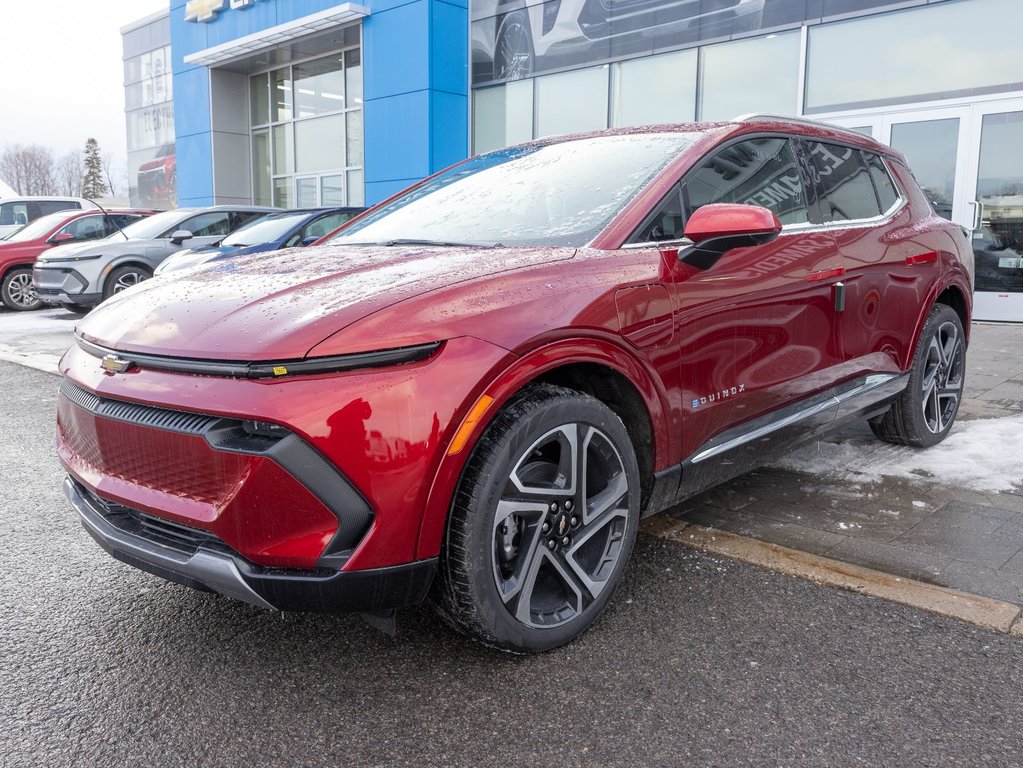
point(52, 206)
point(760, 171)
point(207, 224)
point(846, 188)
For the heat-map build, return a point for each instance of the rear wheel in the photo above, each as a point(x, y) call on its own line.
point(123, 278)
point(18, 292)
point(543, 522)
point(927, 408)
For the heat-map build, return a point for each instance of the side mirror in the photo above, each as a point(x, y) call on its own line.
point(60, 237)
point(180, 236)
point(721, 227)
point(309, 240)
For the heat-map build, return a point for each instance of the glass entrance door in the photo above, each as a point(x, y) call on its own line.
point(997, 189)
point(968, 161)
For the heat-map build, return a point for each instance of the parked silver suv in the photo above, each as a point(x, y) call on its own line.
point(81, 276)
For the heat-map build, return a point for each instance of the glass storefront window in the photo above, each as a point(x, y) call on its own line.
point(305, 192)
point(571, 101)
point(319, 144)
point(280, 95)
point(353, 77)
point(331, 191)
point(284, 149)
point(502, 116)
point(916, 53)
point(259, 100)
point(654, 89)
point(355, 188)
point(261, 168)
point(760, 74)
point(314, 134)
point(353, 137)
point(282, 193)
point(319, 87)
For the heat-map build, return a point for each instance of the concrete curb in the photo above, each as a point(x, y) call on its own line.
point(982, 611)
point(44, 363)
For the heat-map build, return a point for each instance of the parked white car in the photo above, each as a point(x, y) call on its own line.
point(16, 212)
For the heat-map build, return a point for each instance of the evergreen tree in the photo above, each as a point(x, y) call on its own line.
point(93, 183)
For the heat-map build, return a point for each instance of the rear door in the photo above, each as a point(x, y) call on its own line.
point(758, 330)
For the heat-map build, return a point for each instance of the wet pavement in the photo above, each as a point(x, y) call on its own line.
point(699, 660)
point(922, 526)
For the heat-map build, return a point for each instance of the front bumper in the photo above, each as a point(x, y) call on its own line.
point(212, 567)
point(64, 285)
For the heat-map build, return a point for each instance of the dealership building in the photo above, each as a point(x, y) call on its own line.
point(302, 103)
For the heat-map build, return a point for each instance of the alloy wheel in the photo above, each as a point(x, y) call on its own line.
point(514, 52)
point(21, 291)
point(943, 377)
point(561, 525)
point(127, 280)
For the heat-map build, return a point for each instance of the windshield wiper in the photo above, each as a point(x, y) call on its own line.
point(416, 241)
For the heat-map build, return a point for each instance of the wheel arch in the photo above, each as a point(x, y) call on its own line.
point(597, 367)
point(953, 291)
point(132, 260)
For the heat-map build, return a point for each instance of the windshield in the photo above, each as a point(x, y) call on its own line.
point(264, 230)
point(38, 228)
point(152, 226)
point(556, 194)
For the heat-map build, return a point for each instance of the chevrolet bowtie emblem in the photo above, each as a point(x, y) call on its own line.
point(113, 364)
point(203, 10)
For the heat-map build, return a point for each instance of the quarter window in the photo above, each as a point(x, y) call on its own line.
point(754, 172)
point(666, 222)
point(846, 187)
point(883, 185)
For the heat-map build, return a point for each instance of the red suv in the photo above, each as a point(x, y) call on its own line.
point(19, 251)
point(480, 385)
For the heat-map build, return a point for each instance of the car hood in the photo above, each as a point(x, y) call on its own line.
point(279, 305)
point(191, 258)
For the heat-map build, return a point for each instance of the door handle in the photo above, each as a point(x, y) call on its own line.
point(978, 213)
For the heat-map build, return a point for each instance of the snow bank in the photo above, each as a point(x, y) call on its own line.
point(984, 455)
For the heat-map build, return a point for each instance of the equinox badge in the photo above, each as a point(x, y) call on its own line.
point(113, 364)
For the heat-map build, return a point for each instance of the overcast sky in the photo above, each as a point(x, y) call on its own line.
point(62, 74)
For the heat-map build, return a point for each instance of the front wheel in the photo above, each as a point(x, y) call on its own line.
point(542, 524)
point(927, 408)
point(123, 278)
point(18, 292)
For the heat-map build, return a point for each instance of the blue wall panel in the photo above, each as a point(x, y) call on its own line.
point(415, 73)
point(192, 101)
point(195, 169)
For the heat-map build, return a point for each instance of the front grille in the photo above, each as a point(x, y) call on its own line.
point(144, 415)
point(174, 536)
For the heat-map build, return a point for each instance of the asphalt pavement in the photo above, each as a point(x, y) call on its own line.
point(699, 661)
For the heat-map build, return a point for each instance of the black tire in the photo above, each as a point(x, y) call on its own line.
point(77, 309)
point(927, 408)
point(16, 290)
point(504, 579)
point(513, 48)
point(123, 278)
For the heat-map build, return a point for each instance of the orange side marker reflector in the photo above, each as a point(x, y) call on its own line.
point(922, 258)
point(462, 436)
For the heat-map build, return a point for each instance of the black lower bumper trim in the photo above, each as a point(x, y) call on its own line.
point(376, 589)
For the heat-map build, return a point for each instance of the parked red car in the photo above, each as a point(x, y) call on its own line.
point(481, 384)
point(19, 251)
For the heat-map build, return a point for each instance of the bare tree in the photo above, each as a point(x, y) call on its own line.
point(113, 174)
point(28, 169)
point(69, 174)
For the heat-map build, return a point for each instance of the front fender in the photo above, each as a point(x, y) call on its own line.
point(517, 374)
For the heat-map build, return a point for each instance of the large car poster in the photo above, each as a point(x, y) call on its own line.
point(514, 39)
point(152, 171)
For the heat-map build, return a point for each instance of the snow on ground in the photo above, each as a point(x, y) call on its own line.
point(984, 455)
point(36, 339)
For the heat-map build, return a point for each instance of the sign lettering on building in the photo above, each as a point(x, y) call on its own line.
point(207, 10)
